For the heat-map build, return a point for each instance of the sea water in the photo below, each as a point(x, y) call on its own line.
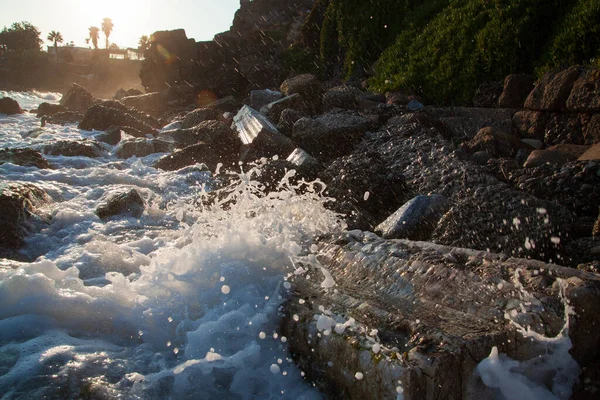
point(184, 302)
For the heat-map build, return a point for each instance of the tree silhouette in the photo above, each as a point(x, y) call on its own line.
point(144, 44)
point(94, 35)
point(107, 27)
point(19, 38)
point(57, 38)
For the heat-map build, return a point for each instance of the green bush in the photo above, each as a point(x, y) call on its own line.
point(301, 60)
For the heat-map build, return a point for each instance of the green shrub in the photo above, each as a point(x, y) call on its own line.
point(301, 60)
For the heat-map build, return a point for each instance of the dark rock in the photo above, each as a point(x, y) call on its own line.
point(366, 192)
point(142, 147)
point(47, 109)
point(530, 124)
point(516, 89)
point(596, 230)
point(591, 133)
point(574, 150)
point(260, 98)
point(226, 104)
point(72, 148)
point(541, 157)
point(487, 94)
point(552, 92)
point(23, 157)
point(496, 143)
point(398, 98)
point(197, 116)
point(112, 136)
point(592, 154)
point(305, 164)
point(565, 128)
point(306, 85)
point(287, 120)
point(9, 106)
point(77, 98)
point(65, 117)
point(329, 136)
point(463, 123)
point(18, 203)
point(210, 132)
point(152, 103)
point(480, 157)
point(343, 97)
point(438, 312)
point(534, 143)
point(584, 95)
point(195, 154)
point(273, 110)
point(127, 204)
point(101, 117)
point(125, 93)
point(416, 219)
point(260, 136)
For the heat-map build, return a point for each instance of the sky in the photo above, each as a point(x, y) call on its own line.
point(201, 19)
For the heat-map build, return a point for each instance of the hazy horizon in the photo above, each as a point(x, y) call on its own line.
point(201, 19)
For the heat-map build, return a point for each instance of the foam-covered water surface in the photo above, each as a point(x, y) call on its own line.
point(183, 302)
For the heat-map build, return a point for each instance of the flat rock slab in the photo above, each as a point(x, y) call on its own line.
point(433, 312)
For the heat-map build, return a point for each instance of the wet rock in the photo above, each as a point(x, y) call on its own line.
point(65, 117)
point(76, 98)
point(226, 104)
point(530, 124)
point(307, 85)
point(287, 120)
point(343, 97)
point(142, 147)
point(565, 128)
point(127, 204)
point(198, 153)
point(274, 110)
point(332, 135)
point(211, 132)
point(591, 133)
point(73, 148)
point(47, 109)
point(516, 89)
point(23, 157)
point(496, 143)
point(305, 164)
point(9, 106)
point(260, 137)
point(260, 98)
point(101, 117)
point(126, 93)
point(541, 157)
point(366, 192)
point(437, 311)
point(112, 136)
point(553, 90)
point(487, 94)
point(152, 103)
point(18, 204)
point(592, 154)
point(197, 116)
point(415, 220)
point(584, 95)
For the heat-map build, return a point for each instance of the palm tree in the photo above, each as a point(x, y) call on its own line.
point(94, 35)
point(144, 44)
point(107, 27)
point(57, 38)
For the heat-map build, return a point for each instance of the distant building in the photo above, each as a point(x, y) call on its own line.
point(71, 53)
point(126, 54)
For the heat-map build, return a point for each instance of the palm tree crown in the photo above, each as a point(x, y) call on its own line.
point(55, 37)
point(94, 35)
point(107, 27)
point(144, 44)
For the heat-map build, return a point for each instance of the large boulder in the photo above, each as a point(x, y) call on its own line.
point(496, 143)
point(73, 148)
point(101, 117)
point(259, 136)
point(307, 85)
point(584, 96)
point(548, 156)
point(260, 98)
point(565, 128)
point(111, 136)
point(197, 116)
point(199, 153)
point(65, 117)
point(18, 204)
point(553, 90)
point(211, 132)
point(415, 319)
point(152, 103)
point(274, 110)
point(332, 135)
point(591, 154)
point(416, 219)
point(48, 109)
point(288, 118)
point(23, 157)
point(140, 147)
point(76, 98)
point(125, 93)
point(9, 106)
point(126, 204)
point(516, 89)
point(591, 133)
point(343, 97)
point(530, 124)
